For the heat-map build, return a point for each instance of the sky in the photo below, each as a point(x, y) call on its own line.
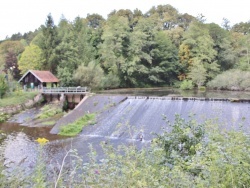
point(27, 15)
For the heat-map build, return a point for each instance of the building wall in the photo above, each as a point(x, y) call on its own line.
point(30, 80)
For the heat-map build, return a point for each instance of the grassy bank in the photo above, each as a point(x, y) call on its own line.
point(15, 98)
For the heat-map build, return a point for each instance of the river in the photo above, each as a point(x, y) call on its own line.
point(121, 124)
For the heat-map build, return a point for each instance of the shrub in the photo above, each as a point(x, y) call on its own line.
point(90, 75)
point(49, 111)
point(186, 85)
point(3, 86)
point(3, 117)
point(111, 81)
point(231, 80)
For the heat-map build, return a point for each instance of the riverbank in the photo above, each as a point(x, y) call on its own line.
point(19, 101)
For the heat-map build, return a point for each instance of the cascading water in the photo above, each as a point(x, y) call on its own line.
point(134, 116)
point(126, 120)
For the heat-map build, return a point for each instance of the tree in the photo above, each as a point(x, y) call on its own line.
point(66, 51)
point(115, 46)
point(11, 65)
point(226, 24)
point(242, 27)
point(226, 56)
point(185, 20)
point(164, 67)
point(49, 44)
point(197, 73)
point(166, 15)
point(90, 75)
point(199, 46)
point(3, 85)
point(31, 59)
point(85, 39)
point(14, 47)
point(244, 53)
point(95, 20)
point(75, 48)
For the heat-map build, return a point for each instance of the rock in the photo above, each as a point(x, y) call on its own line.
point(236, 88)
point(234, 100)
point(38, 98)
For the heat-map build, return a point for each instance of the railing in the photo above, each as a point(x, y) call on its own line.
point(66, 90)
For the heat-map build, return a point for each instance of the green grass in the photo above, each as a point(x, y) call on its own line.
point(16, 98)
point(49, 110)
point(49, 123)
point(74, 128)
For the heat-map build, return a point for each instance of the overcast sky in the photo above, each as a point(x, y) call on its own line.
point(27, 15)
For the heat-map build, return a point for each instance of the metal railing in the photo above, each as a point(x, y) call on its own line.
point(66, 90)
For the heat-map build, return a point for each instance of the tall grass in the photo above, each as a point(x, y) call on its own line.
point(50, 110)
point(74, 128)
point(15, 98)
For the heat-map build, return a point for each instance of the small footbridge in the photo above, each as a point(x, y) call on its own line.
point(71, 94)
point(71, 90)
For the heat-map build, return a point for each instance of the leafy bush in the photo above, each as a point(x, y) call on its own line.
point(3, 117)
point(186, 85)
point(3, 86)
point(74, 128)
point(111, 81)
point(231, 80)
point(90, 75)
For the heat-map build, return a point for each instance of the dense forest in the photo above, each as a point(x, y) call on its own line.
point(131, 49)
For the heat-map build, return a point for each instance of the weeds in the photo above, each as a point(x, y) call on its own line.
point(74, 128)
point(3, 117)
point(48, 111)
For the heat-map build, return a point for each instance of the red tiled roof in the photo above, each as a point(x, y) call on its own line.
point(42, 76)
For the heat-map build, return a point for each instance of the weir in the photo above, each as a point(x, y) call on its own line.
point(121, 120)
point(143, 115)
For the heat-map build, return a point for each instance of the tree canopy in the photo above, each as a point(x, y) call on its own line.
point(131, 49)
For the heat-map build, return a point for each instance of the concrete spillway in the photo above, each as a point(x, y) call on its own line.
point(132, 120)
point(123, 117)
point(124, 120)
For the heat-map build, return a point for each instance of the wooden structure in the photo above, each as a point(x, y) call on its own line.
point(38, 79)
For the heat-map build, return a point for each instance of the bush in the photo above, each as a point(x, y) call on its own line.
point(186, 85)
point(110, 81)
point(231, 80)
point(90, 75)
point(49, 110)
point(3, 117)
point(3, 86)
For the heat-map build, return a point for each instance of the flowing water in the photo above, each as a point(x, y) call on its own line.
point(131, 121)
